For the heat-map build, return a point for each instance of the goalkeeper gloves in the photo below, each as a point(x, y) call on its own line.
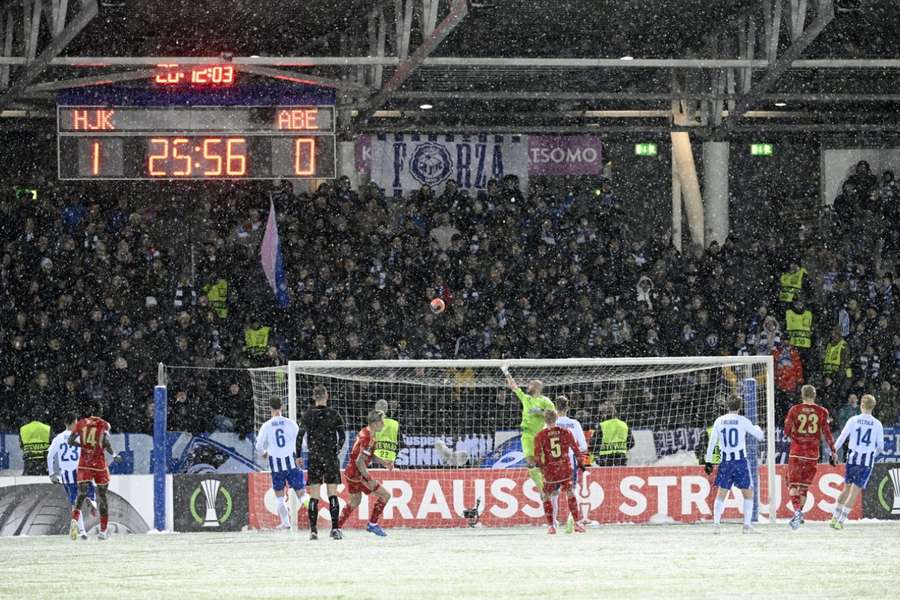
point(708, 467)
point(117, 458)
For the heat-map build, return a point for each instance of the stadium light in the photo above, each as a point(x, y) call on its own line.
point(781, 104)
point(426, 106)
point(627, 57)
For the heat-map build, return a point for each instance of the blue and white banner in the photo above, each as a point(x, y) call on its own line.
point(403, 163)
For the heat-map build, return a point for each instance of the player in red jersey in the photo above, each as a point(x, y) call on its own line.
point(359, 480)
point(806, 423)
point(92, 435)
point(551, 454)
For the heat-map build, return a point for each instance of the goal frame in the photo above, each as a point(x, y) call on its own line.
point(294, 366)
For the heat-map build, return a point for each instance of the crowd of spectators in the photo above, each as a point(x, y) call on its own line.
point(96, 292)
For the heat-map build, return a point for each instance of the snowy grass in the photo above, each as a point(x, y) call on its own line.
point(660, 562)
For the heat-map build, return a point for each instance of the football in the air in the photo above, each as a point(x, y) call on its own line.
point(437, 306)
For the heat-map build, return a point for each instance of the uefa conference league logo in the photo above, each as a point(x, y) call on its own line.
point(210, 489)
point(894, 477)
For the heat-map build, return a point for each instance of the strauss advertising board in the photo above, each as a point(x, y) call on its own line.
point(439, 497)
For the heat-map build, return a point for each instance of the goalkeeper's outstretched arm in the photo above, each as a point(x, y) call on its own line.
point(510, 381)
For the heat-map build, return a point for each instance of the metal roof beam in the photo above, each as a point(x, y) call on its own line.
point(458, 11)
point(475, 63)
point(530, 96)
point(779, 66)
point(36, 67)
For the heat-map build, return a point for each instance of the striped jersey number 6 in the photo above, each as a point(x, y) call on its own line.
point(808, 423)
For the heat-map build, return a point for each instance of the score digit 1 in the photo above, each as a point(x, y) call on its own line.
point(304, 157)
point(95, 158)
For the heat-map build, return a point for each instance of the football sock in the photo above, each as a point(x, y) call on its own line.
point(376, 511)
point(335, 508)
point(718, 508)
point(313, 514)
point(548, 511)
point(748, 511)
point(554, 501)
point(345, 514)
point(80, 522)
point(844, 514)
point(76, 515)
point(573, 507)
point(104, 522)
point(536, 477)
point(838, 509)
point(283, 511)
point(796, 501)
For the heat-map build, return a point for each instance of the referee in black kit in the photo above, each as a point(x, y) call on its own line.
point(325, 436)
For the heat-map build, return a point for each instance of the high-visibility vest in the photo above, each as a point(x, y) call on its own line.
point(791, 283)
point(217, 294)
point(35, 438)
point(256, 341)
point(717, 451)
point(615, 438)
point(799, 328)
point(386, 441)
point(833, 358)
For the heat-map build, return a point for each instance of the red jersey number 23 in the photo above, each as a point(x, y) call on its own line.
point(808, 424)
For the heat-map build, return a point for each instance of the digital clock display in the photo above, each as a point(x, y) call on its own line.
point(166, 143)
point(211, 76)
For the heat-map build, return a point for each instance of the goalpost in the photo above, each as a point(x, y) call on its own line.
point(459, 442)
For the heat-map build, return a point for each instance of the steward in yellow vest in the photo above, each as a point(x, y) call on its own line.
point(35, 440)
point(256, 339)
point(217, 294)
point(387, 440)
point(791, 283)
point(612, 440)
point(799, 322)
point(837, 356)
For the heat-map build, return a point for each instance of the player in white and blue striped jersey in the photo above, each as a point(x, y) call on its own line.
point(865, 435)
point(278, 441)
point(730, 432)
point(62, 466)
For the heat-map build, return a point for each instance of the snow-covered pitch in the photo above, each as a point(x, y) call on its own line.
point(661, 562)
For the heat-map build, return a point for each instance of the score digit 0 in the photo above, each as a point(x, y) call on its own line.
point(304, 157)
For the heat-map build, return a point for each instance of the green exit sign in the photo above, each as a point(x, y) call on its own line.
point(645, 149)
point(761, 149)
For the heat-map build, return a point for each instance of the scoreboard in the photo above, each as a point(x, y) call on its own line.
point(195, 142)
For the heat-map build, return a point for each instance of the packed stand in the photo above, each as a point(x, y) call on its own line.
point(97, 292)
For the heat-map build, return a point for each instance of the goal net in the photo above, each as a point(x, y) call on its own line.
point(460, 446)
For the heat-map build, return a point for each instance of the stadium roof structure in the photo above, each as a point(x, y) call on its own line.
point(714, 68)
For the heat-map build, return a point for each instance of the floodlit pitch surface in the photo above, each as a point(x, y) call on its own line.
point(663, 562)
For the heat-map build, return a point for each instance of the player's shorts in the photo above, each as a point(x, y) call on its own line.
point(98, 477)
point(560, 486)
point(857, 475)
point(528, 444)
point(292, 477)
point(72, 492)
point(358, 486)
point(801, 471)
point(324, 471)
point(734, 473)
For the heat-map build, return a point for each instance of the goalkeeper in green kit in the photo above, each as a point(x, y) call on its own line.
point(533, 407)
